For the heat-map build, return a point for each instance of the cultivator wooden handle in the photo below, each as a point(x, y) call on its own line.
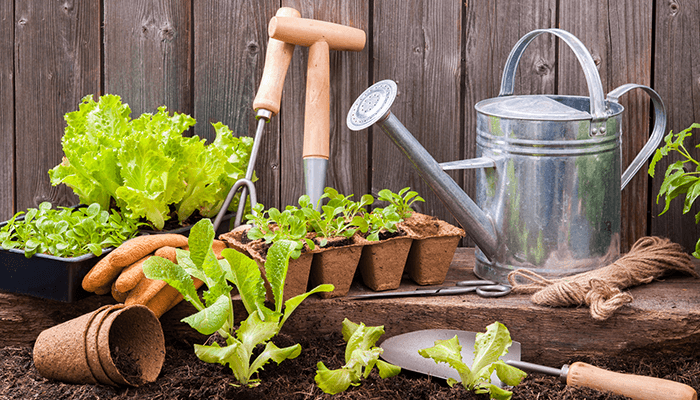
point(633, 386)
point(277, 59)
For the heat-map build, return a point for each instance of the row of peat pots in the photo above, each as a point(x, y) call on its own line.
point(422, 248)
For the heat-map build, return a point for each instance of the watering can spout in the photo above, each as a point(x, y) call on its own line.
point(372, 107)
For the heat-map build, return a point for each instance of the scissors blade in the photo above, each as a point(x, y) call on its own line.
point(440, 291)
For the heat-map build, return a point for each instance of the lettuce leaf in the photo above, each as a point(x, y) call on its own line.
point(146, 165)
point(360, 358)
point(215, 314)
point(488, 349)
point(90, 144)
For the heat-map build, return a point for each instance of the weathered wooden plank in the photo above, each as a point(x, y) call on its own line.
point(419, 47)
point(7, 112)
point(663, 317)
point(57, 62)
point(631, 58)
point(618, 35)
point(148, 54)
point(492, 29)
point(677, 79)
point(230, 44)
point(348, 160)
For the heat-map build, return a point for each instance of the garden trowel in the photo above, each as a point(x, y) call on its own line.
point(402, 350)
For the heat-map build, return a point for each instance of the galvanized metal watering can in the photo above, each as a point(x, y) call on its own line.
point(548, 175)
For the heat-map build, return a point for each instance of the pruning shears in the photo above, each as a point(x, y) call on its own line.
point(482, 287)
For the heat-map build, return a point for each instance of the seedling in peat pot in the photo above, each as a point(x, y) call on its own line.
point(273, 225)
point(381, 220)
point(339, 217)
point(403, 200)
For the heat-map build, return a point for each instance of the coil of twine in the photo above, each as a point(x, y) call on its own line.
point(601, 289)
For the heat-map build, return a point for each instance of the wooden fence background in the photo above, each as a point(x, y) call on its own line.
point(205, 58)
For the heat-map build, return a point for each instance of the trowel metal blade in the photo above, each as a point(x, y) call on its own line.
point(402, 350)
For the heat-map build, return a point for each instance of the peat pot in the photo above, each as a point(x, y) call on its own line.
point(297, 270)
point(548, 169)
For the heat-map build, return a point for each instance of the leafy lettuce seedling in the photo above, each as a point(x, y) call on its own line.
point(215, 314)
point(677, 180)
point(488, 348)
point(360, 357)
point(382, 220)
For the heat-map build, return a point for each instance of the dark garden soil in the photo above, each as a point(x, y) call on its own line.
point(186, 377)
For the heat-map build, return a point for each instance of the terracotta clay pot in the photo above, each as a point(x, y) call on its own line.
point(382, 263)
point(113, 345)
point(432, 250)
point(335, 265)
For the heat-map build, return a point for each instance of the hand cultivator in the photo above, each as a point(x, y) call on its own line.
point(286, 30)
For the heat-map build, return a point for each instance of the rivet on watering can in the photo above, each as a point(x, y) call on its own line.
point(602, 130)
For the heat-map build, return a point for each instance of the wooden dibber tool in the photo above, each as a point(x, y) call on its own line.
point(320, 37)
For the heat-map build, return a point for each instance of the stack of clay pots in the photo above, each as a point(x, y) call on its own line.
point(423, 248)
point(113, 345)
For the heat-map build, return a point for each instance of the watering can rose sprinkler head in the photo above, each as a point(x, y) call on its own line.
point(373, 107)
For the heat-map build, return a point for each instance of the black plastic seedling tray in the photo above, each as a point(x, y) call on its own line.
point(45, 276)
point(58, 278)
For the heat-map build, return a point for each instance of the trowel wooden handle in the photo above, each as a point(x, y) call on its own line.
point(317, 111)
point(633, 386)
point(306, 32)
point(277, 59)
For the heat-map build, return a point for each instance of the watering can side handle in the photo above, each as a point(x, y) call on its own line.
point(656, 134)
point(595, 88)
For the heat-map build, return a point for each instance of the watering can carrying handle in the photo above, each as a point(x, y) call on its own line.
point(595, 87)
point(656, 134)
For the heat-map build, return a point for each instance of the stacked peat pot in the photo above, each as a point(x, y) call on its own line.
point(343, 237)
point(113, 345)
